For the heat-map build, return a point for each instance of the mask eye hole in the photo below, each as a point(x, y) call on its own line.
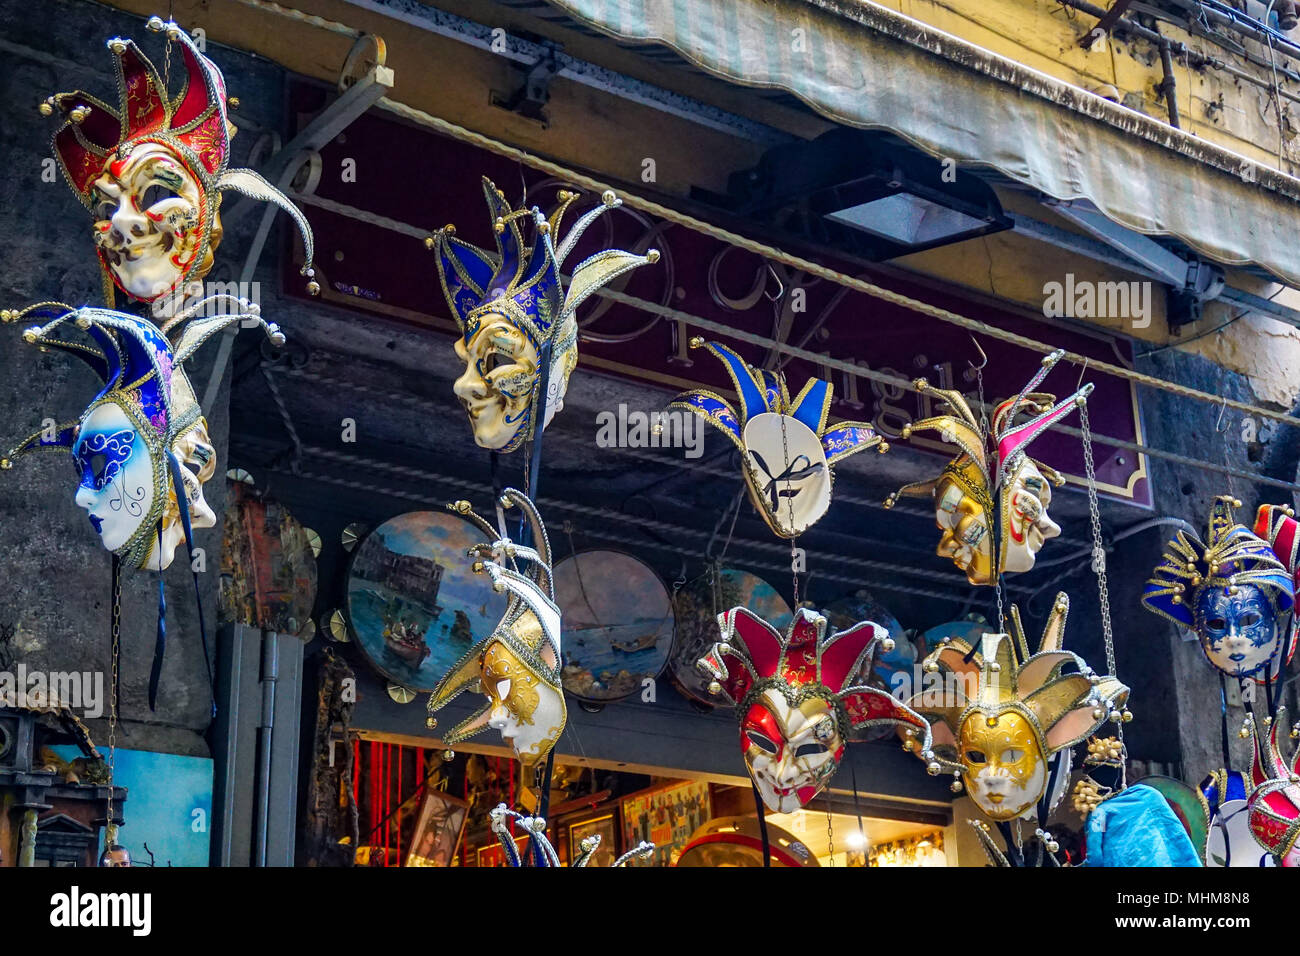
point(1216, 624)
point(155, 194)
point(96, 463)
point(976, 756)
point(810, 750)
point(494, 361)
point(761, 741)
point(1012, 755)
point(1250, 619)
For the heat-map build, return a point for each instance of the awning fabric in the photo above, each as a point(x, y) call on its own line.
point(866, 66)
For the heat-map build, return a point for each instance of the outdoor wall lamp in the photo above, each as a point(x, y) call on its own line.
point(866, 194)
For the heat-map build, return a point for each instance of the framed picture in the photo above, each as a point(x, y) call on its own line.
point(602, 826)
point(666, 816)
point(438, 830)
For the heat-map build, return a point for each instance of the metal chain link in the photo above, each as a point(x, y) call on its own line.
point(1099, 568)
point(830, 838)
point(1000, 584)
point(115, 645)
point(1098, 548)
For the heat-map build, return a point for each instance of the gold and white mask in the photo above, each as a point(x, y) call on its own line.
point(999, 715)
point(517, 667)
point(991, 501)
point(516, 314)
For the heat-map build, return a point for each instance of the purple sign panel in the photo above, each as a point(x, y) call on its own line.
point(410, 176)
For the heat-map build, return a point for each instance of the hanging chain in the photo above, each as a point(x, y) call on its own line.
point(830, 837)
point(1099, 568)
point(115, 645)
point(1000, 585)
point(1098, 549)
point(794, 542)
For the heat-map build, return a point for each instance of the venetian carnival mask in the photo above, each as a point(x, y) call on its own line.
point(516, 317)
point(1273, 808)
point(999, 715)
point(786, 446)
point(991, 501)
point(502, 818)
point(1229, 841)
point(152, 170)
point(796, 701)
point(140, 449)
point(517, 667)
point(1232, 591)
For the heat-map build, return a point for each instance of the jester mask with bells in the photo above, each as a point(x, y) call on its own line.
point(786, 447)
point(991, 501)
point(797, 699)
point(141, 447)
point(999, 714)
point(1273, 808)
point(517, 666)
point(502, 818)
point(152, 169)
point(511, 305)
point(1231, 590)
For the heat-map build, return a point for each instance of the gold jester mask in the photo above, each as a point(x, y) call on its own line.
point(999, 714)
point(517, 667)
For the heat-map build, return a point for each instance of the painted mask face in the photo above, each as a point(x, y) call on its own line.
point(496, 387)
point(1003, 763)
point(116, 470)
point(1238, 632)
point(964, 522)
point(786, 472)
point(791, 752)
point(1026, 525)
point(528, 713)
point(148, 206)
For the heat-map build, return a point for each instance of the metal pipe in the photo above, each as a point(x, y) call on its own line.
point(270, 674)
point(1190, 57)
point(1238, 22)
point(1168, 87)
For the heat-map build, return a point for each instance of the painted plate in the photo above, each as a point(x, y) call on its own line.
point(698, 607)
point(1185, 801)
point(413, 604)
point(617, 625)
point(268, 568)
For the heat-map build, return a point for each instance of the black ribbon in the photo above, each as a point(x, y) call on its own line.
point(160, 642)
point(183, 501)
point(793, 472)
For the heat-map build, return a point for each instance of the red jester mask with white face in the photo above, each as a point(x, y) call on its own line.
point(791, 751)
point(149, 210)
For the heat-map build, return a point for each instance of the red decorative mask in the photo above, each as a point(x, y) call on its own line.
point(152, 169)
point(800, 697)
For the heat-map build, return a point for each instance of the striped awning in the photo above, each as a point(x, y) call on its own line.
point(866, 66)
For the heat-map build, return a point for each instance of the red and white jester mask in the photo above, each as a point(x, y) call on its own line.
point(800, 698)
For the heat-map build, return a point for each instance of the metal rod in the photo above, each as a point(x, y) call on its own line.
point(270, 674)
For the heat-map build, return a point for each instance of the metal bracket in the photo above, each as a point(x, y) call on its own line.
point(531, 98)
point(281, 169)
point(1105, 24)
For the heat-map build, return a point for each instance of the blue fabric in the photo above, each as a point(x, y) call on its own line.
point(1137, 828)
